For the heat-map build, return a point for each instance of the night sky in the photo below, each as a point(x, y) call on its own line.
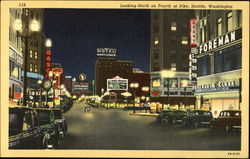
point(77, 33)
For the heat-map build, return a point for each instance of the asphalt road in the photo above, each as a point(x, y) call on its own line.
point(119, 130)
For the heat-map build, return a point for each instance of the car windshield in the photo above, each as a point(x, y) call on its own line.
point(44, 117)
point(58, 114)
point(15, 123)
point(179, 112)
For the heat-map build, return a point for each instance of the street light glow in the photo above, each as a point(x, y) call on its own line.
point(18, 25)
point(34, 25)
point(48, 43)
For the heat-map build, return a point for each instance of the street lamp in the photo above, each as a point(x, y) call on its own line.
point(25, 35)
point(167, 74)
point(134, 86)
point(184, 84)
point(145, 89)
point(39, 82)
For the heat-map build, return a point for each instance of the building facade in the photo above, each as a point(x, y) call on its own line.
point(219, 59)
point(169, 50)
point(36, 57)
point(108, 68)
point(16, 59)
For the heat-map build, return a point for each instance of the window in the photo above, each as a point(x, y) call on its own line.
point(35, 54)
point(156, 82)
point(31, 67)
point(156, 54)
point(26, 12)
point(156, 41)
point(31, 53)
point(35, 69)
point(173, 66)
point(228, 59)
point(203, 65)
point(184, 40)
point(229, 21)
point(173, 26)
point(173, 82)
point(156, 67)
point(239, 18)
point(203, 30)
point(32, 14)
point(219, 26)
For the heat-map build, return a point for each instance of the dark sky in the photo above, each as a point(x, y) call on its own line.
point(77, 33)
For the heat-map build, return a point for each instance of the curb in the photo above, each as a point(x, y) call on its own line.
point(144, 114)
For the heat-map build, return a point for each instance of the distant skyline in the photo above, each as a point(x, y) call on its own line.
point(77, 33)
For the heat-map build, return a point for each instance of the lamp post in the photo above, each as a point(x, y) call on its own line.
point(134, 86)
point(184, 84)
point(168, 75)
point(39, 82)
point(25, 35)
point(145, 89)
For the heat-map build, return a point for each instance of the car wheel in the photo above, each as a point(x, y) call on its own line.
point(45, 143)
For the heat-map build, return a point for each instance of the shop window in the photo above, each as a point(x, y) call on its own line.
point(228, 59)
point(219, 26)
point(173, 26)
point(173, 82)
point(203, 65)
point(229, 21)
point(156, 82)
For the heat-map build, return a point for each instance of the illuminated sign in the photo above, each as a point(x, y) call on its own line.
point(156, 92)
point(217, 86)
point(82, 77)
point(47, 63)
point(193, 64)
point(16, 57)
point(220, 41)
point(17, 91)
point(193, 34)
point(57, 74)
point(106, 52)
point(117, 83)
point(81, 86)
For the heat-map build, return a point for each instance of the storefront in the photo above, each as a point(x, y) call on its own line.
point(219, 91)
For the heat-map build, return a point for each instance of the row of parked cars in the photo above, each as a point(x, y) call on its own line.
point(36, 128)
point(227, 119)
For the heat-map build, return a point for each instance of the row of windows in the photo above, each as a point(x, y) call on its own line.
point(227, 59)
point(33, 67)
point(205, 30)
point(33, 54)
point(172, 82)
point(30, 13)
point(14, 70)
point(184, 40)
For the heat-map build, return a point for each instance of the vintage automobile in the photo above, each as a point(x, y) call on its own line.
point(161, 117)
point(175, 116)
point(228, 120)
point(24, 130)
point(49, 128)
point(198, 118)
point(61, 121)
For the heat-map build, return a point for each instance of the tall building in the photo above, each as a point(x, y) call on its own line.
point(16, 59)
point(219, 59)
point(169, 50)
point(35, 63)
point(108, 68)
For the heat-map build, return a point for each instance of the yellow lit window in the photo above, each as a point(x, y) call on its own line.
point(173, 26)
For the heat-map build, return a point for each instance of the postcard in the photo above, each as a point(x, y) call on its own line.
point(145, 79)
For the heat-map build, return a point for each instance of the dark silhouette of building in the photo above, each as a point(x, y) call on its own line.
point(107, 68)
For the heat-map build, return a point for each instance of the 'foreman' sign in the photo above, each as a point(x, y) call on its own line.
point(220, 41)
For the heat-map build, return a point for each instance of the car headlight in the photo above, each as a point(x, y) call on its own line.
point(47, 136)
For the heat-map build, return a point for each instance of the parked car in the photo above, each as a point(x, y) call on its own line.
point(49, 128)
point(24, 130)
point(198, 118)
point(175, 116)
point(61, 121)
point(228, 120)
point(161, 117)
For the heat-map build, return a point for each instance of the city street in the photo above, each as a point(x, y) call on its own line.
point(119, 130)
